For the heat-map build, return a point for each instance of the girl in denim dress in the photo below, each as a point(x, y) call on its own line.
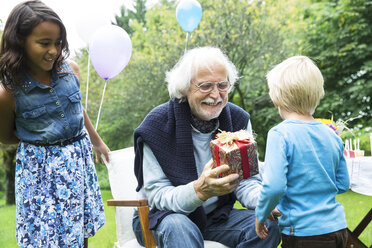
point(58, 200)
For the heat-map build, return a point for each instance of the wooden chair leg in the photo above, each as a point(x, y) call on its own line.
point(143, 212)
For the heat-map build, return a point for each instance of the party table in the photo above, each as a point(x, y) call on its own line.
point(360, 173)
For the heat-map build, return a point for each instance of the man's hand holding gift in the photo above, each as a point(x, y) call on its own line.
point(210, 184)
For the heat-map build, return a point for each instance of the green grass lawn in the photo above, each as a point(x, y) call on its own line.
point(356, 207)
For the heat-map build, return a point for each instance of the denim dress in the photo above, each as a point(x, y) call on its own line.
point(58, 199)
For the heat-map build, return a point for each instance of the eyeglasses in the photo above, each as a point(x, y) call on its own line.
point(206, 87)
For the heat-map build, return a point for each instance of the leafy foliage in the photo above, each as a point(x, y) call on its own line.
point(256, 35)
point(251, 34)
point(141, 86)
point(338, 35)
point(126, 15)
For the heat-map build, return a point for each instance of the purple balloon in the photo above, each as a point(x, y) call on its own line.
point(110, 50)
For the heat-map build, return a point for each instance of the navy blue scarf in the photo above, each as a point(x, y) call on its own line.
point(167, 131)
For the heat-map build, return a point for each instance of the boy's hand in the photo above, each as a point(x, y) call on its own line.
point(275, 214)
point(261, 229)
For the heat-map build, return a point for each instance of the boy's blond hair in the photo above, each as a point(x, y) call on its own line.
point(296, 85)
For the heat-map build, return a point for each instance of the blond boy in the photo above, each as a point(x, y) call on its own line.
point(304, 163)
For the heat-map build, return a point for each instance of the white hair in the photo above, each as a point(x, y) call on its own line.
point(185, 70)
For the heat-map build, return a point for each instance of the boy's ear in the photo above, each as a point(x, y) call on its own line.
point(276, 105)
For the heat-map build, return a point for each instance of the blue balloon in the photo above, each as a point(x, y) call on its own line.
point(189, 14)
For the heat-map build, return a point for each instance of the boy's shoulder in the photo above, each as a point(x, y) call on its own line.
point(296, 127)
point(280, 126)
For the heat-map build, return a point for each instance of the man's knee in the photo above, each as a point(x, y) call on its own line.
point(177, 224)
point(174, 226)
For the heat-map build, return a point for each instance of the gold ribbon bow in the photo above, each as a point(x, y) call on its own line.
point(229, 137)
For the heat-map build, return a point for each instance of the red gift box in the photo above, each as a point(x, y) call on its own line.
point(238, 150)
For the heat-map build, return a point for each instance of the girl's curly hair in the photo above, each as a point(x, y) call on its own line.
point(20, 23)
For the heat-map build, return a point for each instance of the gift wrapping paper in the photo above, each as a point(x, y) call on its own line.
point(240, 153)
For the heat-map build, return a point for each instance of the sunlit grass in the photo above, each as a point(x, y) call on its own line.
point(356, 206)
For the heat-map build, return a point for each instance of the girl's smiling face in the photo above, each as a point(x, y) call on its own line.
point(42, 47)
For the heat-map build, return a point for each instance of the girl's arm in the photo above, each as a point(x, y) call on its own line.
point(7, 113)
point(98, 145)
point(75, 68)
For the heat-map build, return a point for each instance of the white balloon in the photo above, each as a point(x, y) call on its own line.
point(110, 50)
point(88, 22)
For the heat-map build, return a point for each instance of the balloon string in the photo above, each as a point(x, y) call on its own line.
point(87, 90)
point(100, 106)
point(187, 39)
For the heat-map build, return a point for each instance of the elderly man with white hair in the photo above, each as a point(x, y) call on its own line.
point(189, 203)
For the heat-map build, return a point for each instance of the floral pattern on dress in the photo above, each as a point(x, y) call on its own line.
point(58, 199)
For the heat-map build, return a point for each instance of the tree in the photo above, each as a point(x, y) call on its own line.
point(141, 86)
point(243, 29)
point(338, 36)
point(127, 15)
point(256, 35)
point(253, 34)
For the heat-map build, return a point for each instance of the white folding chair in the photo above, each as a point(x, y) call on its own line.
point(123, 184)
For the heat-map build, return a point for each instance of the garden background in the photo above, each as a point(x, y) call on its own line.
point(255, 35)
